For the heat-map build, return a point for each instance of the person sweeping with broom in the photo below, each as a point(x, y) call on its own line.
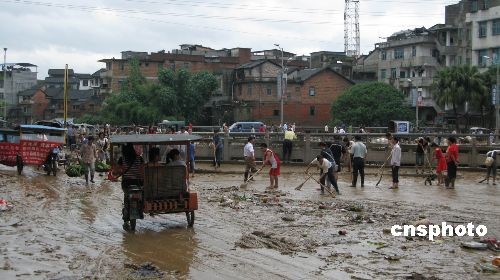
point(249, 154)
point(270, 158)
point(327, 168)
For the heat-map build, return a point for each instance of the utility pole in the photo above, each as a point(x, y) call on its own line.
point(282, 75)
point(4, 99)
point(496, 62)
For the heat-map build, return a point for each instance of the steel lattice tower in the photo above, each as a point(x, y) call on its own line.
point(351, 28)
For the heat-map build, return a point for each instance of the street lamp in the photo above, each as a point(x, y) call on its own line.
point(416, 102)
point(4, 84)
point(497, 88)
point(282, 84)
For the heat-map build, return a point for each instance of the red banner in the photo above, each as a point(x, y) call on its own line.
point(36, 152)
point(8, 152)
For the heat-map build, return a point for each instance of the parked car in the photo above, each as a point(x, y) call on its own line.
point(245, 126)
point(479, 130)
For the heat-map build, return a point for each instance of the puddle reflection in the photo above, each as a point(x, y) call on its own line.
point(172, 250)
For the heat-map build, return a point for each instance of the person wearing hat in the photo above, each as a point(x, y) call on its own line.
point(359, 152)
point(249, 154)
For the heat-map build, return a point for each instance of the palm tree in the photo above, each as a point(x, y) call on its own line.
point(460, 84)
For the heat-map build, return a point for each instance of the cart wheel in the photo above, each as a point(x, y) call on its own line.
point(19, 164)
point(132, 224)
point(190, 218)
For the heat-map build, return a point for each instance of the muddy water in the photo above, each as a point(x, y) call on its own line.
point(60, 228)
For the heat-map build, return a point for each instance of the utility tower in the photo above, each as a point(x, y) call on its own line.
point(351, 28)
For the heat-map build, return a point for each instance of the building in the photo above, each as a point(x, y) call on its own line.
point(56, 79)
point(484, 21)
point(308, 99)
point(194, 58)
point(19, 77)
point(409, 60)
point(339, 61)
point(46, 103)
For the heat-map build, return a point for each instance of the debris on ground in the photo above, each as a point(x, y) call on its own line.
point(145, 270)
point(4, 205)
point(474, 245)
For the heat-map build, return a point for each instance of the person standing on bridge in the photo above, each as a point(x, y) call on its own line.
point(288, 144)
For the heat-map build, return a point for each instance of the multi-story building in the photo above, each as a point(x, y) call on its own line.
point(194, 58)
point(338, 61)
point(484, 21)
point(19, 77)
point(409, 60)
point(307, 101)
point(41, 103)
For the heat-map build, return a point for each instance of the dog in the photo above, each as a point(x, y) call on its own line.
point(430, 178)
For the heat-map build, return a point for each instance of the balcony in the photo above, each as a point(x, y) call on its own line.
point(106, 74)
point(415, 82)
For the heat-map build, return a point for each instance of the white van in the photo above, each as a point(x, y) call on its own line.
point(245, 126)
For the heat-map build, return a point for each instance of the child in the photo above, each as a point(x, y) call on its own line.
point(272, 159)
point(440, 163)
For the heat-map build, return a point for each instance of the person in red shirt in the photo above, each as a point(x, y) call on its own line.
point(440, 162)
point(270, 158)
point(262, 128)
point(452, 162)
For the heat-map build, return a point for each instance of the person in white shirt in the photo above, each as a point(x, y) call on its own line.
point(341, 131)
point(249, 154)
point(326, 128)
point(327, 170)
point(492, 169)
point(395, 162)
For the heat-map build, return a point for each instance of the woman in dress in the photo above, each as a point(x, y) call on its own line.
point(440, 163)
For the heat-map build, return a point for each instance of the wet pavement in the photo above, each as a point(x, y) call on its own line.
point(59, 228)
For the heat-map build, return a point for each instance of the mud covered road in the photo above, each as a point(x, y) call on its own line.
point(60, 229)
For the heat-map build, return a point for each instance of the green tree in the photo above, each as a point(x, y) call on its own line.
point(370, 104)
point(459, 85)
point(187, 92)
point(178, 95)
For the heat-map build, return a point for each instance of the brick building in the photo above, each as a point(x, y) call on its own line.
point(308, 99)
point(43, 103)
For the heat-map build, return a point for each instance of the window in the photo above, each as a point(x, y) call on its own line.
point(269, 90)
point(459, 60)
point(495, 28)
point(85, 83)
point(402, 74)
point(146, 63)
point(75, 107)
point(393, 73)
point(186, 65)
point(122, 66)
point(481, 61)
point(312, 111)
point(496, 56)
point(473, 6)
point(399, 53)
point(485, 5)
point(383, 74)
point(414, 51)
point(383, 55)
point(276, 113)
point(483, 28)
point(312, 91)
point(297, 90)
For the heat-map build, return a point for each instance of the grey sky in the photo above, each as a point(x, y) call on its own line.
point(51, 33)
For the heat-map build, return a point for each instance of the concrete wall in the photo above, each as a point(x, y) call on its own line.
point(305, 148)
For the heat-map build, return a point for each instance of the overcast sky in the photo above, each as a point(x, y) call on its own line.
point(51, 33)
